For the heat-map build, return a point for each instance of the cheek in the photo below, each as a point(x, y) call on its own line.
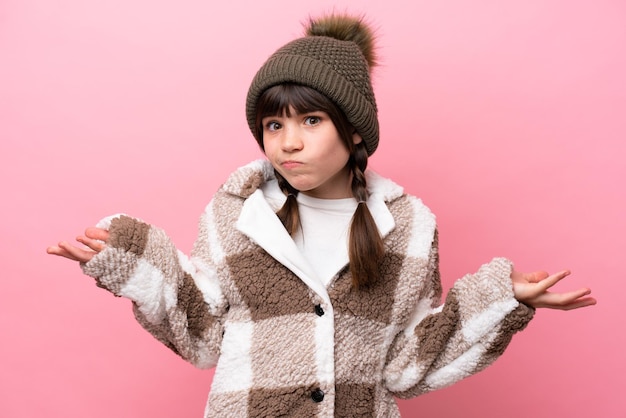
point(336, 160)
point(268, 147)
point(337, 152)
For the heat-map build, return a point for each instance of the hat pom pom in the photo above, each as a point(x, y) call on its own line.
point(345, 28)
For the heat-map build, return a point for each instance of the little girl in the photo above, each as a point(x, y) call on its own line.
point(313, 286)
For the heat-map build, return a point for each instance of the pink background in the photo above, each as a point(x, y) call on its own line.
point(507, 118)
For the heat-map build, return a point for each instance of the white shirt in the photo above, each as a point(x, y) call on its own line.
point(324, 227)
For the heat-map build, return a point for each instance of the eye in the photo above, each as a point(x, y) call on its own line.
point(312, 120)
point(272, 126)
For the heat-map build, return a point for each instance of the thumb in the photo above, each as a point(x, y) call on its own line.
point(536, 276)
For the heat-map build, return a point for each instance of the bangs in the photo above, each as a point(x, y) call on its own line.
point(281, 99)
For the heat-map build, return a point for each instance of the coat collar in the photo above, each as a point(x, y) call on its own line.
point(247, 179)
point(258, 221)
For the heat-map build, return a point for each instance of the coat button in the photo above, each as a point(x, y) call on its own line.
point(318, 310)
point(317, 395)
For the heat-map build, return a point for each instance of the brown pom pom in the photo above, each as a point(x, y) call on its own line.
point(345, 28)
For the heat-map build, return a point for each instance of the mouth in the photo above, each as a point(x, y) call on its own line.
point(290, 164)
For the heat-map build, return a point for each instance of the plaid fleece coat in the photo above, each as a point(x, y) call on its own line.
point(285, 345)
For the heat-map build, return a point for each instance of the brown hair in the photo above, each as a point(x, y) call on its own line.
point(365, 246)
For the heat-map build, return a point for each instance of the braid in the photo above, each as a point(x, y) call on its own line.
point(358, 164)
point(366, 248)
point(288, 213)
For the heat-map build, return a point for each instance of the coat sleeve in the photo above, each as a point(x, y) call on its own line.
point(442, 344)
point(176, 298)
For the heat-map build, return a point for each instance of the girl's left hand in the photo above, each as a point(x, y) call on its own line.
point(532, 289)
point(94, 241)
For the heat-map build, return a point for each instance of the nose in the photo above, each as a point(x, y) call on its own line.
point(291, 140)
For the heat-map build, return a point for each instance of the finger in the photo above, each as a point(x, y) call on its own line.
point(568, 300)
point(551, 280)
point(580, 303)
point(58, 251)
point(75, 253)
point(97, 234)
point(95, 245)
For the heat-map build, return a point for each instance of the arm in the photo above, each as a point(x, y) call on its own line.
point(442, 344)
point(176, 299)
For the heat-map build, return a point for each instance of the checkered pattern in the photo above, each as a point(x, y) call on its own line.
point(282, 349)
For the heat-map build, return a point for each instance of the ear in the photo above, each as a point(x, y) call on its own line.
point(356, 138)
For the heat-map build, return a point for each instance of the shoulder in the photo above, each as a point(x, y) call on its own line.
point(247, 179)
point(383, 187)
point(227, 202)
point(415, 223)
point(395, 198)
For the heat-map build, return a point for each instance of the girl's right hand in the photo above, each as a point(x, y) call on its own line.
point(533, 289)
point(95, 240)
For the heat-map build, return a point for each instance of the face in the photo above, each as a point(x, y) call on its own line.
point(307, 151)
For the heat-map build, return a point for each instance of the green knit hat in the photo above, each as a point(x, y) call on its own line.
point(334, 58)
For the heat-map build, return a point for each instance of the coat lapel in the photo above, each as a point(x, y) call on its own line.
point(258, 221)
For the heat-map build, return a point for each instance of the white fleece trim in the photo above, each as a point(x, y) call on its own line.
point(382, 186)
point(380, 212)
point(325, 345)
point(381, 190)
point(234, 368)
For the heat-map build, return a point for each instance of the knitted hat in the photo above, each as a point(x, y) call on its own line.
point(333, 58)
